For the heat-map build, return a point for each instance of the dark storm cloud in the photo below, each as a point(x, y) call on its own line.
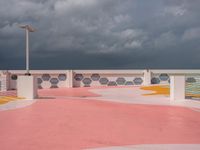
point(101, 34)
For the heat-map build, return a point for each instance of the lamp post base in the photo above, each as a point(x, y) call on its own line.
point(27, 87)
point(27, 74)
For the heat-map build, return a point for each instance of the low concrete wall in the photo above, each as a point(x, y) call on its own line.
point(45, 78)
point(86, 78)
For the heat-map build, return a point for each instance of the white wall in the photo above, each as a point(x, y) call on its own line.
point(82, 78)
point(113, 77)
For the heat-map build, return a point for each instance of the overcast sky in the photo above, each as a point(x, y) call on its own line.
point(101, 34)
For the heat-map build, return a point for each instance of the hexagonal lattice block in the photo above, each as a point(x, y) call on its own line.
point(155, 80)
point(95, 77)
point(164, 77)
point(191, 80)
point(138, 81)
point(86, 85)
point(112, 83)
point(39, 86)
point(46, 84)
point(54, 81)
point(129, 83)
point(54, 86)
point(39, 80)
point(46, 77)
point(87, 81)
point(103, 81)
point(78, 77)
point(120, 81)
point(14, 77)
point(62, 77)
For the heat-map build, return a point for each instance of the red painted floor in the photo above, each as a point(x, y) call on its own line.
point(67, 124)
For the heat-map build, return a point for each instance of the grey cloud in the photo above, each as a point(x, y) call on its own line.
point(191, 34)
point(101, 33)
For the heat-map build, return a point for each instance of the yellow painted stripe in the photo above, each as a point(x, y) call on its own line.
point(6, 99)
point(193, 95)
point(164, 90)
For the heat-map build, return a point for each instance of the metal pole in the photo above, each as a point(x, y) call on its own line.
point(28, 29)
point(27, 52)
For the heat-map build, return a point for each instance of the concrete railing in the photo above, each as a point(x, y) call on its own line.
point(81, 78)
point(85, 78)
point(90, 78)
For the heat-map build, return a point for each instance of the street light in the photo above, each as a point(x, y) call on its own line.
point(28, 29)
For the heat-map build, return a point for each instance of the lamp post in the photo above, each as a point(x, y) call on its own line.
point(28, 29)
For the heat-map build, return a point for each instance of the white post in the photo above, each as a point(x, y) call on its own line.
point(177, 87)
point(27, 51)
point(147, 77)
point(5, 77)
point(3, 86)
point(70, 78)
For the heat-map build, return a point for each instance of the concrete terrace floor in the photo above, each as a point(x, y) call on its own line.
point(106, 118)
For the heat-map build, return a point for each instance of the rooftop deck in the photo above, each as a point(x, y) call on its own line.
point(99, 118)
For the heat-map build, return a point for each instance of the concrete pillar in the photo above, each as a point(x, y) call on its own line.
point(70, 79)
point(8, 74)
point(177, 87)
point(27, 87)
point(3, 83)
point(147, 77)
point(5, 77)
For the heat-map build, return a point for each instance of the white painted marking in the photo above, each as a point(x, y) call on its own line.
point(154, 147)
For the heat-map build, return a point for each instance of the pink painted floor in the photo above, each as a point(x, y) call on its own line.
point(67, 92)
point(77, 123)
